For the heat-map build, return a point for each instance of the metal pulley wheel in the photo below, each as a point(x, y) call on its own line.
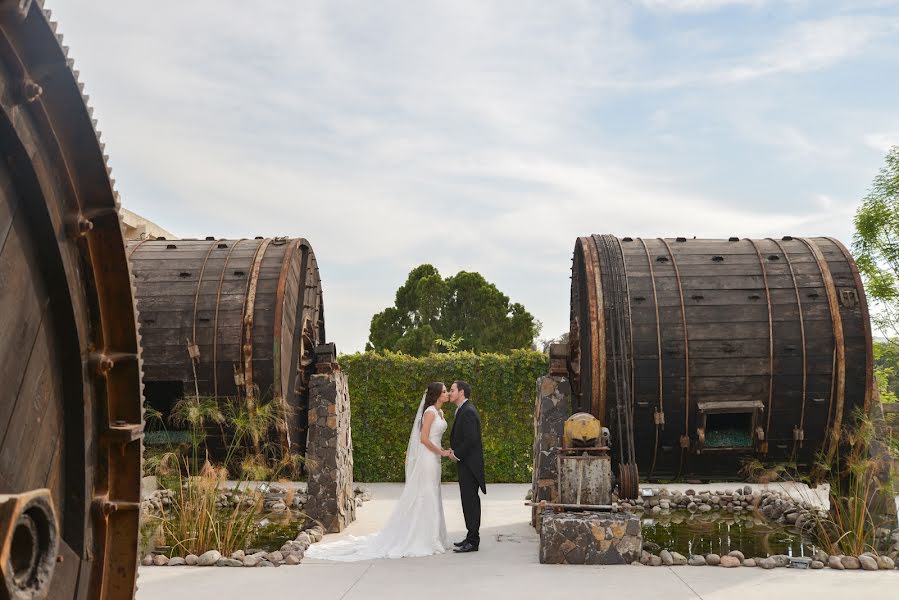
point(628, 481)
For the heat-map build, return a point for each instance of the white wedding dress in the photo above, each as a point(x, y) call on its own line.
point(416, 526)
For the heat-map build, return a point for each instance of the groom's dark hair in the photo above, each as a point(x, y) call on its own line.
point(464, 387)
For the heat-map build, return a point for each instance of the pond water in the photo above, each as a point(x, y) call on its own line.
point(751, 534)
point(271, 535)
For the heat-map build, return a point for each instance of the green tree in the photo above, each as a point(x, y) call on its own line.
point(876, 243)
point(462, 312)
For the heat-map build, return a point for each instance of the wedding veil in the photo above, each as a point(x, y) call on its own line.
point(414, 448)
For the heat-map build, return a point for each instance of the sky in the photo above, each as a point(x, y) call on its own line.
point(487, 135)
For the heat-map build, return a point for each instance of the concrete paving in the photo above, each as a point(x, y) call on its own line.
point(506, 567)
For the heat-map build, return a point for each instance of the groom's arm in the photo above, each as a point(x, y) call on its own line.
point(468, 425)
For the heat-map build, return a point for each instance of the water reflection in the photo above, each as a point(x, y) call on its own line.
point(753, 535)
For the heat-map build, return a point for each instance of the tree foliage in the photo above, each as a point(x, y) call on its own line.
point(464, 312)
point(876, 243)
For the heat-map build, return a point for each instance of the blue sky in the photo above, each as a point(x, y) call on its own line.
point(487, 136)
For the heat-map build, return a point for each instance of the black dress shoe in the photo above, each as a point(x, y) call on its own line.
point(466, 547)
point(460, 544)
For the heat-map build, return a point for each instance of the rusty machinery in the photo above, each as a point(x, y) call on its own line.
point(583, 467)
point(70, 407)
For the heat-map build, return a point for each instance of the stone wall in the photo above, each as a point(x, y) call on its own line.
point(553, 407)
point(589, 538)
point(329, 453)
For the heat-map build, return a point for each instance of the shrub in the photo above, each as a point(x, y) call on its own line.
point(386, 388)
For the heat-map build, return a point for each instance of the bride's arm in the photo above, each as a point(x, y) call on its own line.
point(426, 421)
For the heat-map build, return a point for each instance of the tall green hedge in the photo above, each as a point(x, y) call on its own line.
point(385, 390)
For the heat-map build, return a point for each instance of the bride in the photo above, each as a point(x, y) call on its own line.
point(416, 526)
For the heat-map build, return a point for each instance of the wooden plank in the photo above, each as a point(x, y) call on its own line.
point(8, 206)
point(729, 298)
point(731, 365)
point(699, 330)
point(22, 299)
point(697, 312)
point(191, 273)
point(750, 282)
point(39, 388)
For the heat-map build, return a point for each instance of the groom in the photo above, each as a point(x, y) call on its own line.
point(467, 450)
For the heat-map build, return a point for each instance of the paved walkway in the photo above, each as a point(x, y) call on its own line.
point(506, 567)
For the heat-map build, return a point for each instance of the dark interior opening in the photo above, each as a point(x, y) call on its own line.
point(161, 396)
point(728, 430)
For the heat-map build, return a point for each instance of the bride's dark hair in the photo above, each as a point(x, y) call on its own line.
point(435, 390)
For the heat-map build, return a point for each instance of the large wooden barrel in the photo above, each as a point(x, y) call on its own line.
point(703, 354)
point(70, 402)
point(230, 319)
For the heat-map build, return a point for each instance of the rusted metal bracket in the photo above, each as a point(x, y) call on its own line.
point(29, 540)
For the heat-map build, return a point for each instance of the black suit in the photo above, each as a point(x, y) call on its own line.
point(465, 440)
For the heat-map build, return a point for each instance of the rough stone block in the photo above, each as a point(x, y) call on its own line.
point(329, 453)
point(589, 538)
point(553, 406)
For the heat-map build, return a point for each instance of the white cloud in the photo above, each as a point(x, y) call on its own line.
point(882, 141)
point(813, 45)
point(697, 5)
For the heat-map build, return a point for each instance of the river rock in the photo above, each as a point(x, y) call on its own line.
point(651, 547)
point(645, 558)
point(160, 560)
point(655, 561)
point(850, 562)
point(712, 560)
point(191, 560)
point(207, 559)
point(834, 562)
point(266, 563)
point(147, 560)
point(817, 564)
point(781, 560)
point(747, 490)
point(679, 559)
point(885, 563)
point(868, 563)
point(292, 560)
point(251, 561)
point(238, 555)
point(820, 555)
point(730, 561)
point(696, 561)
point(737, 554)
point(749, 562)
point(704, 508)
point(667, 558)
point(766, 563)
